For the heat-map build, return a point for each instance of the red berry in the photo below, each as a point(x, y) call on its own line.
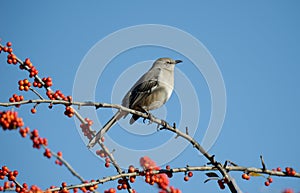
point(33, 110)
point(59, 154)
point(288, 191)
point(5, 49)
point(15, 173)
point(293, 172)
point(245, 176)
point(132, 179)
point(119, 187)
point(6, 185)
point(278, 169)
point(5, 168)
point(267, 183)
point(35, 133)
point(186, 178)
point(9, 50)
point(124, 186)
point(190, 174)
point(270, 179)
point(131, 169)
point(11, 178)
point(102, 139)
point(8, 44)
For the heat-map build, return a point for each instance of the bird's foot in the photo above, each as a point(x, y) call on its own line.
point(162, 125)
point(150, 118)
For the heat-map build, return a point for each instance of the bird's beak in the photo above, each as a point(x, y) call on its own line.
point(178, 61)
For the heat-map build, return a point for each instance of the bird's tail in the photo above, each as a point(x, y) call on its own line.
point(105, 128)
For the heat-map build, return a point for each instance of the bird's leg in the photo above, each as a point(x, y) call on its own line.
point(150, 117)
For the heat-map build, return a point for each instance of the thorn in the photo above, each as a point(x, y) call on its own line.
point(231, 163)
point(212, 160)
point(174, 125)
point(262, 163)
point(187, 130)
point(99, 105)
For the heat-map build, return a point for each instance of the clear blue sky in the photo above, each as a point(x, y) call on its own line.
point(255, 45)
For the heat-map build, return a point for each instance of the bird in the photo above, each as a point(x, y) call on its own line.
point(150, 92)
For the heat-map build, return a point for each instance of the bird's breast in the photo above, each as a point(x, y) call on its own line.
point(157, 97)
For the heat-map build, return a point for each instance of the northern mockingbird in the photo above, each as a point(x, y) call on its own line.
point(150, 92)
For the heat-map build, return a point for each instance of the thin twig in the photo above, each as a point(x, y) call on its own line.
point(179, 170)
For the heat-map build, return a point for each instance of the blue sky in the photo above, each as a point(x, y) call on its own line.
point(255, 45)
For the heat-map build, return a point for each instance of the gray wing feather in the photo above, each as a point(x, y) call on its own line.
point(141, 90)
point(145, 84)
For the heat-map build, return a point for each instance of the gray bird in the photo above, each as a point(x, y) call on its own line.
point(150, 92)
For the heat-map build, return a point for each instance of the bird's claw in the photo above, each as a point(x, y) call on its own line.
point(150, 117)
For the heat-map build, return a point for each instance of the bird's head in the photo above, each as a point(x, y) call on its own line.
point(166, 62)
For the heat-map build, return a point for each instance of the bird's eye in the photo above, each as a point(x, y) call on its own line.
point(168, 62)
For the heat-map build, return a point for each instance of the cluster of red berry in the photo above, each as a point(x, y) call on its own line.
point(290, 171)
point(24, 85)
point(111, 190)
point(28, 66)
point(288, 190)
point(58, 95)
point(188, 176)
point(246, 176)
point(269, 181)
point(16, 98)
point(10, 184)
point(11, 58)
point(75, 190)
point(10, 120)
point(37, 140)
point(85, 129)
point(33, 72)
point(24, 131)
point(122, 184)
point(57, 161)
point(102, 154)
point(69, 111)
point(47, 81)
point(160, 179)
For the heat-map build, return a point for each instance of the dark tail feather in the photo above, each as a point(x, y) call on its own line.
point(133, 119)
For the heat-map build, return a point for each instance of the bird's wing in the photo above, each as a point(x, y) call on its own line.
point(144, 86)
point(142, 90)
